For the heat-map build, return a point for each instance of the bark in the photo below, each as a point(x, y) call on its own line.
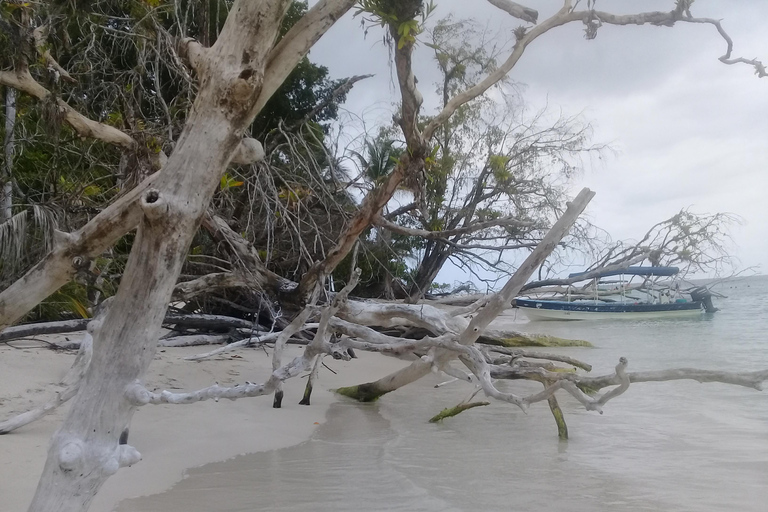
point(307, 398)
point(501, 300)
point(371, 206)
point(22, 331)
point(422, 316)
point(531, 354)
point(427, 273)
point(557, 413)
point(194, 339)
point(319, 345)
point(409, 169)
point(443, 235)
point(6, 173)
point(221, 280)
point(234, 345)
point(86, 450)
point(22, 80)
point(252, 268)
point(295, 326)
point(518, 11)
point(450, 412)
point(495, 305)
point(71, 252)
point(40, 34)
point(208, 322)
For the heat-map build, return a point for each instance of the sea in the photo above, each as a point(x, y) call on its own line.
point(670, 446)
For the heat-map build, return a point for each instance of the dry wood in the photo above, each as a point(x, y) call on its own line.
point(477, 325)
point(450, 412)
point(86, 451)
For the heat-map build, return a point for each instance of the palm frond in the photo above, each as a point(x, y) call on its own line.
point(24, 239)
point(13, 235)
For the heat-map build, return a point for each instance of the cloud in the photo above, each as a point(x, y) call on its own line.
point(690, 131)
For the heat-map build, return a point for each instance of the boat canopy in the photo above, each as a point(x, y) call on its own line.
point(633, 271)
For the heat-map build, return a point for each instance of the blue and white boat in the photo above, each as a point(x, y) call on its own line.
point(620, 299)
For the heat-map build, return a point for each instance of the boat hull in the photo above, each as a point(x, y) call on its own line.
point(559, 310)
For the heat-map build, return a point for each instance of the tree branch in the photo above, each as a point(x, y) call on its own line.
point(441, 235)
point(23, 81)
point(516, 10)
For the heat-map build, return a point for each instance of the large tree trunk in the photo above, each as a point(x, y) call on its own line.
point(427, 272)
point(6, 173)
point(86, 450)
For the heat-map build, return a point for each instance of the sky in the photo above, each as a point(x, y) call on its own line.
point(687, 130)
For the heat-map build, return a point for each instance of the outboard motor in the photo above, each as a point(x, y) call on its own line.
point(701, 294)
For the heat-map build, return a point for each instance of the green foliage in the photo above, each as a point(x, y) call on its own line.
point(379, 262)
point(400, 16)
point(440, 287)
point(69, 302)
point(498, 165)
point(306, 87)
point(228, 182)
point(128, 76)
point(381, 157)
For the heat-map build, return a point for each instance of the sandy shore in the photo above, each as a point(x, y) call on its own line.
point(171, 438)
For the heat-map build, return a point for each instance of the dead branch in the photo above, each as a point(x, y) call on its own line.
point(442, 235)
point(518, 11)
point(531, 354)
point(450, 412)
point(22, 80)
point(138, 395)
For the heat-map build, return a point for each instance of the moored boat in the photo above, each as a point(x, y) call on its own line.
point(620, 299)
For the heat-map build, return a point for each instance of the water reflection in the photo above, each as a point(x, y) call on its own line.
point(680, 446)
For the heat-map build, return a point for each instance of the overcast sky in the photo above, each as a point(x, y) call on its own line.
point(689, 130)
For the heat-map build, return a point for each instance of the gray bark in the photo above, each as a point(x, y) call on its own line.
point(86, 450)
point(6, 173)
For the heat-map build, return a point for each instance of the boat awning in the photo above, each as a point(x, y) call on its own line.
point(633, 271)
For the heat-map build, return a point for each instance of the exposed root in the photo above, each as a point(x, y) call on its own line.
point(449, 412)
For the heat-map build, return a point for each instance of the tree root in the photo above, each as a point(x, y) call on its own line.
point(449, 412)
point(557, 412)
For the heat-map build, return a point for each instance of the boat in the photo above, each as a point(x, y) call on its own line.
point(620, 299)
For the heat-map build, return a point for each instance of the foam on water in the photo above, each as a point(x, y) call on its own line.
point(680, 446)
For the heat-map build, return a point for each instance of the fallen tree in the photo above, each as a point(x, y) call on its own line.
point(236, 76)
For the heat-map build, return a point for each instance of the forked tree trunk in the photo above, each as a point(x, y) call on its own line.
point(87, 450)
point(427, 272)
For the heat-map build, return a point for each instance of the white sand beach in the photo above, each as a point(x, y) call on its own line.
point(171, 438)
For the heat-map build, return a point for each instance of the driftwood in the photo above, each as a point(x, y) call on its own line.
point(22, 331)
point(191, 321)
point(495, 305)
point(236, 78)
point(450, 412)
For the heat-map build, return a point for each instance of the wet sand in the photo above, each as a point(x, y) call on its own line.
point(171, 438)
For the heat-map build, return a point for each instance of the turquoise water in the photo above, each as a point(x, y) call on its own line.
point(679, 446)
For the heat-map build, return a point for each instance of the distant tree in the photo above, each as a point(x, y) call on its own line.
point(495, 175)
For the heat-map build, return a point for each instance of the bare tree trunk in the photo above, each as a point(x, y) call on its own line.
point(87, 450)
point(428, 269)
point(6, 173)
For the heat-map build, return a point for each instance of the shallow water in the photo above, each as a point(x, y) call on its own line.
point(680, 446)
